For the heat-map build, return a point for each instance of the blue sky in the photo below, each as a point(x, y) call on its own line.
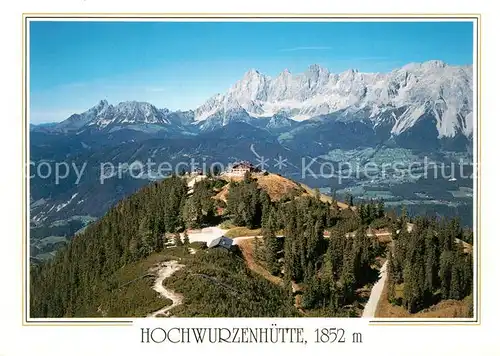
point(179, 65)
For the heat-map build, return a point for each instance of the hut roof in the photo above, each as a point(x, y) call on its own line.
point(221, 241)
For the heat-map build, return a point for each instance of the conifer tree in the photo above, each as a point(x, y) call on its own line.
point(349, 199)
point(445, 272)
point(455, 283)
point(431, 261)
point(380, 209)
point(271, 251)
point(146, 237)
point(391, 294)
point(185, 240)
point(258, 249)
point(177, 239)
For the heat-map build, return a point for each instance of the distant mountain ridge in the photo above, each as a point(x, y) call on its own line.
point(435, 88)
point(105, 117)
point(417, 105)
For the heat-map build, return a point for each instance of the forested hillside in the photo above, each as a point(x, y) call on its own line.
point(323, 259)
point(429, 264)
point(73, 283)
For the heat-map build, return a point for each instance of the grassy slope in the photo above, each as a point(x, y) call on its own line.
point(323, 197)
point(243, 231)
point(277, 186)
point(443, 309)
point(247, 250)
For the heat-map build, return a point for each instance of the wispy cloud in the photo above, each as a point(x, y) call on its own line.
point(155, 89)
point(307, 48)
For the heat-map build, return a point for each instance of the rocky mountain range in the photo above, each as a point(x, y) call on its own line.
point(432, 99)
point(431, 90)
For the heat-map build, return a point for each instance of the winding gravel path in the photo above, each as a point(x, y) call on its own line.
point(165, 270)
point(371, 305)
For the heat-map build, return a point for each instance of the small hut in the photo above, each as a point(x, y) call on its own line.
point(240, 168)
point(222, 241)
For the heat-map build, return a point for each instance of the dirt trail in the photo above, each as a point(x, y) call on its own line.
point(165, 270)
point(371, 305)
point(240, 239)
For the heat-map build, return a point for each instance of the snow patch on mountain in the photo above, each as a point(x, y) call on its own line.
point(63, 205)
point(104, 116)
point(442, 91)
point(129, 112)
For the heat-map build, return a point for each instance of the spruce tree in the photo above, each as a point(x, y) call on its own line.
point(391, 294)
point(271, 246)
point(349, 199)
point(431, 261)
point(445, 272)
point(177, 239)
point(185, 240)
point(258, 249)
point(380, 209)
point(147, 244)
